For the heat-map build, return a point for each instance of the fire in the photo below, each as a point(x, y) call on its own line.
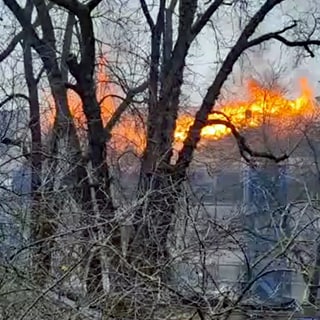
point(128, 133)
point(104, 96)
point(262, 105)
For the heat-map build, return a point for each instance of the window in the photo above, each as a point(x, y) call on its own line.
point(229, 187)
point(225, 186)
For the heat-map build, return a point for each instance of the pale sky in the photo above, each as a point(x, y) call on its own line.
point(205, 58)
point(263, 61)
point(205, 51)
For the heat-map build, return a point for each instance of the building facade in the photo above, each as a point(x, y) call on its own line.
point(269, 217)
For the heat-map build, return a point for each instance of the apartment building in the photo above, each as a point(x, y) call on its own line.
point(262, 221)
point(240, 214)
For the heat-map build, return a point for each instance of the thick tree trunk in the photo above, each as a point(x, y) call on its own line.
point(103, 209)
point(159, 184)
point(158, 177)
point(64, 135)
point(102, 187)
point(41, 224)
point(152, 223)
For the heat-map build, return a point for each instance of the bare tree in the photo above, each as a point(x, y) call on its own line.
point(161, 179)
point(158, 173)
point(41, 227)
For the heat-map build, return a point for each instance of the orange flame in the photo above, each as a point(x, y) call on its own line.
point(128, 133)
point(261, 105)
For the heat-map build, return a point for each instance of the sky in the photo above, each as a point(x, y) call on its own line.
point(205, 58)
point(207, 51)
point(263, 61)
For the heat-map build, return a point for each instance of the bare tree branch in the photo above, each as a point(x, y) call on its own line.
point(13, 96)
point(156, 33)
point(160, 17)
point(167, 41)
point(305, 44)
point(47, 53)
point(289, 43)
point(73, 65)
point(87, 63)
point(45, 22)
point(201, 22)
point(28, 27)
point(66, 45)
point(187, 9)
point(38, 77)
point(72, 5)
point(122, 108)
point(244, 148)
point(76, 7)
point(269, 36)
point(17, 38)
point(11, 46)
point(147, 15)
point(93, 4)
point(185, 155)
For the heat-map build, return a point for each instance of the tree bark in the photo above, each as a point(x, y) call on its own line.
point(41, 222)
point(63, 129)
point(41, 227)
point(152, 223)
point(83, 72)
point(158, 176)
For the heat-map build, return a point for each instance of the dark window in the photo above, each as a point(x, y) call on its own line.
point(229, 187)
point(220, 187)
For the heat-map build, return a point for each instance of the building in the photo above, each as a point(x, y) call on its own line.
point(231, 216)
point(255, 223)
point(14, 183)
